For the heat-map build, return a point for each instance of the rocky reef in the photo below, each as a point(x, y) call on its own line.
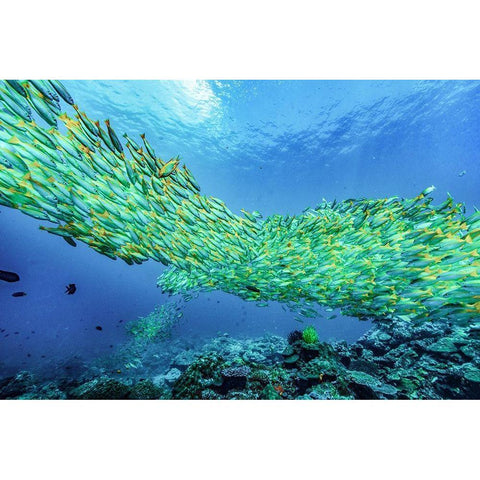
point(391, 361)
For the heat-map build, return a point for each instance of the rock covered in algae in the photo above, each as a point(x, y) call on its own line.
point(444, 345)
point(201, 374)
point(102, 388)
point(367, 386)
point(145, 390)
point(20, 384)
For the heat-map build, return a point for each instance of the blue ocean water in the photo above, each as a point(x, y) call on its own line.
point(272, 146)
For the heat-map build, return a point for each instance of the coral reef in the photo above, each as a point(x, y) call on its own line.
point(391, 361)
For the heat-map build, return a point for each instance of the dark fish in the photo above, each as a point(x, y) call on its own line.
point(253, 289)
point(71, 288)
point(9, 276)
point(70, 241)
point(98, 327)
point(18, 294)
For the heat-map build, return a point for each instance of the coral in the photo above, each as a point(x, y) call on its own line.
point(145, 390)
point(269, 393)
point(102, 388)
point(294, 336)
point(201, 374)
point(366, 386)
point(310, 335)
point(172, 376)
point(409, 369)
point(22, 383)
point(234, 378)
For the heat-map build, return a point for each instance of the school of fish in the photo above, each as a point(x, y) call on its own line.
point(384, 258)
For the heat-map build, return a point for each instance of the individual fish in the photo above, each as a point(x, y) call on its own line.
point(71, 288)
point(18, 108)
point(168, 168)
point(462, 173)
point(149, 148)
point(19, 294)
point(61, 90)
point(113, 137)
point(17, 86)
point(42, 109)
point(9, 276)
point(105, 137)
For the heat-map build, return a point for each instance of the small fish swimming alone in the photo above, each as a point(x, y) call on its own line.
point(19, 294)
point(9, 276)
point(462, 173)
point(71, 288)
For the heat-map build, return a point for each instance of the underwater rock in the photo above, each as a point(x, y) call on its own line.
point(328, 391)
point(172, 376)
point(269, 393)
point(366, 386)
point(209, 394)
point(309, 351)
point(321, 370)
point(444, 345)
point(234, 378)
point(288, 351)
point(254, 356)
point(260, 376)
point(473, 332)
point(291, 361)
point(145, 390)
point(294, 336)
point(197, 377)
point(50, 391)
point(362, 365)
point(240, 395)
point(103, 388)
point(471, 350)
point(344, 353)
point(20, 384)
point(375, 341)
point(184, 359)
point(471, 372)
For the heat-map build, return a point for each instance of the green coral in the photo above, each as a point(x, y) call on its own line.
point(310, 335)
